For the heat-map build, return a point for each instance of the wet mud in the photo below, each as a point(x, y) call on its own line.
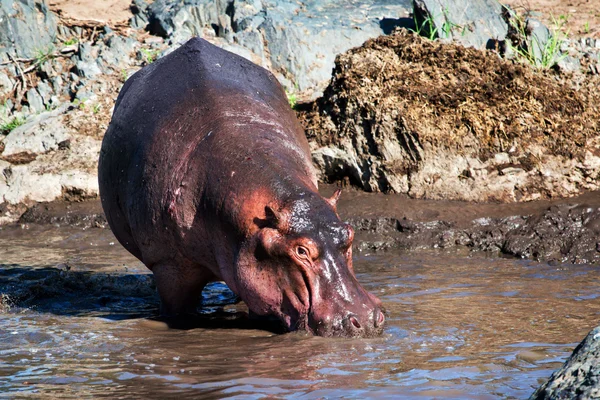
point(556, 231)
point(566, 230)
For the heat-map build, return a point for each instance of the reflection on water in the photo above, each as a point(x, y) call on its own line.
point(458, 327)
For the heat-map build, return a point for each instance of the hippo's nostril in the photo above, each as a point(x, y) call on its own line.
point(378, 317)
point(355, 322)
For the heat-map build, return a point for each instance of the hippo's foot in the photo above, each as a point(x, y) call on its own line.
point(179, 287)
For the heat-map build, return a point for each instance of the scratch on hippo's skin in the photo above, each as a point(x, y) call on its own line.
point(244, 118)
point(172, 209)
point(330, 265)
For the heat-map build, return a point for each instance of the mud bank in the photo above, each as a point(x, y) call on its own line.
point(566, 230)
point(435, 120)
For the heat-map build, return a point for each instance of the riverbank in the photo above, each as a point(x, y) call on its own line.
point(555, 231)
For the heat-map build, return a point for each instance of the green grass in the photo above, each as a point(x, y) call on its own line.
point(550, 51)
point(150, 55)
point(8, 125)
point(586, 27)
point(426, 29)
point(430, 31)
point(71, 41)
point(124, 75)
point(292, 96)
point(43, 55)
point(292, 99)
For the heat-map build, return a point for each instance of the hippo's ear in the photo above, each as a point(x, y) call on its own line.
point(272, 218)
point(333, 200)
point(275, 219)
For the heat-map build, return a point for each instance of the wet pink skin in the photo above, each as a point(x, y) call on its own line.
point(205, 174)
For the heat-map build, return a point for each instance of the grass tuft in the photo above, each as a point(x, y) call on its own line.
point(550, 52)
point(8, 125)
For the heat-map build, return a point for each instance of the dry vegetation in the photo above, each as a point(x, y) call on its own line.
point(445, 95)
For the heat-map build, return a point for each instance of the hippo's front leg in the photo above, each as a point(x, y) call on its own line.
point(179, 286)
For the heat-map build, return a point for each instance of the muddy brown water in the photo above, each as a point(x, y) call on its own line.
point(458, 326)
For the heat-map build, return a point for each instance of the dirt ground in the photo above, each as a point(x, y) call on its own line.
point(110, 12)
point(581, 17)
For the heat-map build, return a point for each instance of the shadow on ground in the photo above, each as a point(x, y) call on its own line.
point(116, 296)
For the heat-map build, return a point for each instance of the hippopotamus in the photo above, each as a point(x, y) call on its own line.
point(205, 175)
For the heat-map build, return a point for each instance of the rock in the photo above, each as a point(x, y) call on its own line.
point(180, 21)
point(36, 103)
point(116, 53)
point(302, 39)
point(6, 83)
point(139, 8)
point(476, 23)
point(538, 36)
point(579, 377)
point(303, 42)
point(86, 63)
point(40, 134)
point(69, 173)
point(46, 92)
point(26, 27)
point(568, 64)
point(245, 15)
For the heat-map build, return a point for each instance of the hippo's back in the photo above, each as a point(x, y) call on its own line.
point(165, 113)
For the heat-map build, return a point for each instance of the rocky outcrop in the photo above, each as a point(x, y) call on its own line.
point(477, 23)
point(298, 41)
point(43, 160)
point(367, 141)
point(579, 377)
point(435, 120)
point(27, 27)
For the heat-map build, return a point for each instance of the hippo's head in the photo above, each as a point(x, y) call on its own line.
point(298, 267)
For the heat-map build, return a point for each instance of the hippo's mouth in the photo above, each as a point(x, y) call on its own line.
point(297, 306)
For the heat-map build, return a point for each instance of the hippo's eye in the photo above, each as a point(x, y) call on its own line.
point(302, 252)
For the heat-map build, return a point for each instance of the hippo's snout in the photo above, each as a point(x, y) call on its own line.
point(371, 326)
point(352, 325)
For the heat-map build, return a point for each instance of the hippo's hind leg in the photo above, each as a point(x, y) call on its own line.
point(179, 286)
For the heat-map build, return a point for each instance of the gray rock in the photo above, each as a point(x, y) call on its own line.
point(579, 377)
point(476, 23)
point(6, 83)
point(36, 103)
point(538, 37)
point(45, 90)
point(139, 8)
point(57, 84)
point(244, 14)
point(66, 32)
point(303, 39)
point(116, 53)
point(40, 134)
point(253, 41)
point(182, 20)
point(52, 176)
point(86, 63)
point(26, 27)
point(568, 64)
point(8, 105)
point(87, 69)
